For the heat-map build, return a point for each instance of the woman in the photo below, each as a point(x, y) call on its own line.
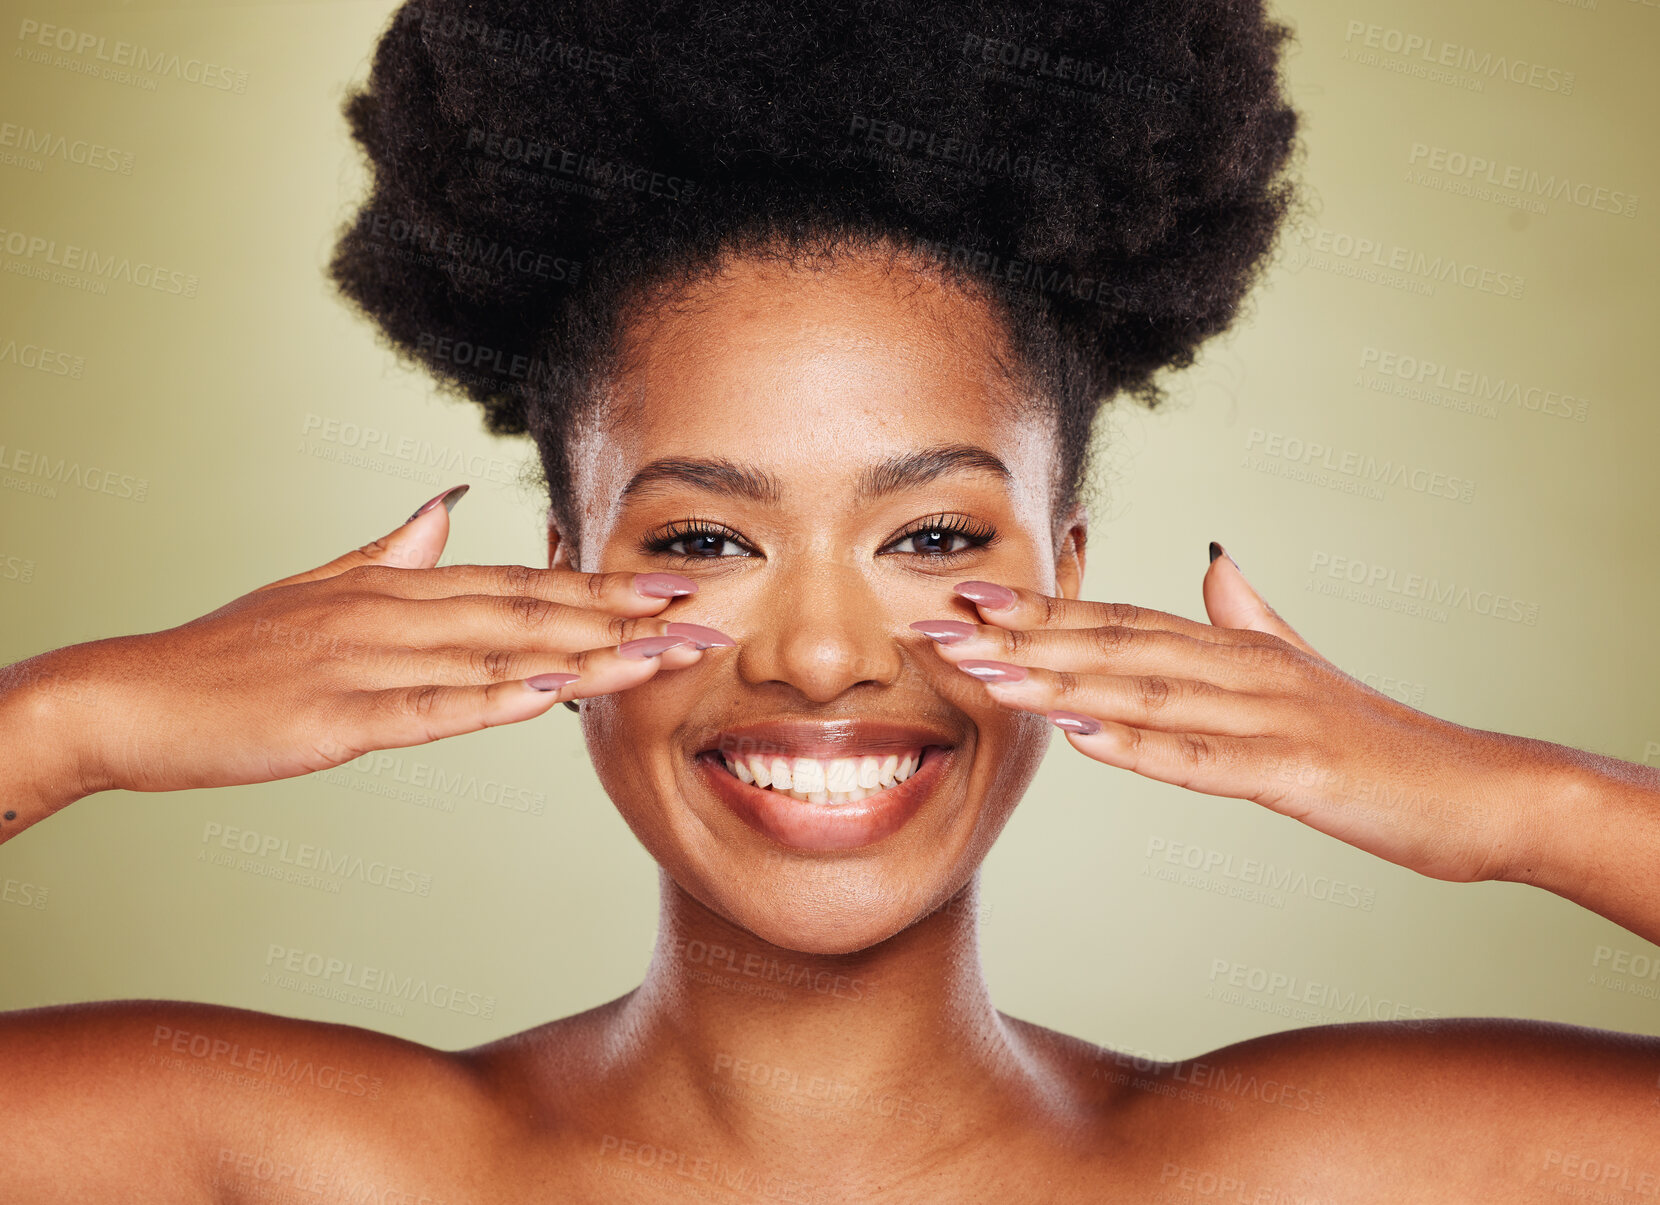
point(809, 319)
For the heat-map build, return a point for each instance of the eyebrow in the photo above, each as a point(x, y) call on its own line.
point(720, 476)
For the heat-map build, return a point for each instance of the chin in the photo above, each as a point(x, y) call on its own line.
point(825, 908)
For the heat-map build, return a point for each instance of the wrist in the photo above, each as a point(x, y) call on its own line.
point(45, 713)
point(1585, 816)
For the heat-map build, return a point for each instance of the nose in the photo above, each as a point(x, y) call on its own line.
point(821, 629)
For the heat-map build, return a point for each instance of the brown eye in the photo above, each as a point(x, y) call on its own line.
point(938, 537)
point(697, 541)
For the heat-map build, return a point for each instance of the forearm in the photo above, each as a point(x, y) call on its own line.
point(1594, 836)
point(44, 704)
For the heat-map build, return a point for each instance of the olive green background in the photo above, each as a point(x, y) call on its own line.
point(243, 413)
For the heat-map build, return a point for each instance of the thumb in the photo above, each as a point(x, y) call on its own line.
point(1232, 602)
point(416, 544)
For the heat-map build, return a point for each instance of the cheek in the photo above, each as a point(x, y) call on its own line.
point(1027, 738)
point(627, 731)
point(618, 732)
point(1008, 745)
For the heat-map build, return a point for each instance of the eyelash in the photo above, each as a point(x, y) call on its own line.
point(978, 535)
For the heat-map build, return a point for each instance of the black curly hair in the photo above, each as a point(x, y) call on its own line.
point(1109, 175)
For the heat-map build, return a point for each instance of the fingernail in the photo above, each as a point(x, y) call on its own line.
point(664, 585)
point(650, 646)
point(945, 631)
point(1071, 721)
point(704, 638)
point(993, 671)
point(992, 597)
point(549, 681)
point(1217, 550)
point(449, 498)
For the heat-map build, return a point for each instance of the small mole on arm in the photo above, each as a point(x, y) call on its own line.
point(11, 815)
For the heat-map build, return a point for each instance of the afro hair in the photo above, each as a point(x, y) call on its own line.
point(1110, 173)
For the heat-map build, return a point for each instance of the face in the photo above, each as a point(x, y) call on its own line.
point(826, 452)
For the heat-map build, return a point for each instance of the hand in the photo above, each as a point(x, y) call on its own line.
point(377, 649)
point(1244, 707)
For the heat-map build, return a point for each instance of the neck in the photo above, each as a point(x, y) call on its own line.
point(827, 1056)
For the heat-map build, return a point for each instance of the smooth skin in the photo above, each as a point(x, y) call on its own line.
point(817, 1028)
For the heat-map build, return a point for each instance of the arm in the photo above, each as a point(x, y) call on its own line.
point(1595, 836)
point(1244, 707)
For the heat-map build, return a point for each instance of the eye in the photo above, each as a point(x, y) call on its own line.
point(939, 537)
point(943, 536)
point(696, 539)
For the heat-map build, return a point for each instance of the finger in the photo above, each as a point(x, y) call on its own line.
point(1012, 607)
point(415, 715)
point(1154, 701)
point(1229, 766)
point(1236, 663)
point(471, 625)
point(1232, 602)
point(622, 593)
point(602, 669)
point(417, 543)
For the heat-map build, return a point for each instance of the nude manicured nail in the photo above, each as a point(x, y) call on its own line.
point(989, 595)
point(651, 646)
point(1071, 721)
point(449, 498)
point(549, 681)
point(993, 671)
point(945, 631)
point(704, 638)
point(664, 585)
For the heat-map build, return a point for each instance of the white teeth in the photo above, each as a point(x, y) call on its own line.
point(807, 774)
point(833, 781)
point(842, 775)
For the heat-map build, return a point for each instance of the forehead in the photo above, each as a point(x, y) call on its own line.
point(814, 373)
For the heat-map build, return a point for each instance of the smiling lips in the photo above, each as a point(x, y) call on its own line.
point(805, 824)
point(837, 784)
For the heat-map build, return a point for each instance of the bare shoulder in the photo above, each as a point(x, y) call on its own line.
point(142, 1100)
point(1446, 1109)
point(1478, 1103)
point(1496, 1076)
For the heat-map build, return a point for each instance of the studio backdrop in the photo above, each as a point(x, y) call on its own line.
point(1430, 443)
